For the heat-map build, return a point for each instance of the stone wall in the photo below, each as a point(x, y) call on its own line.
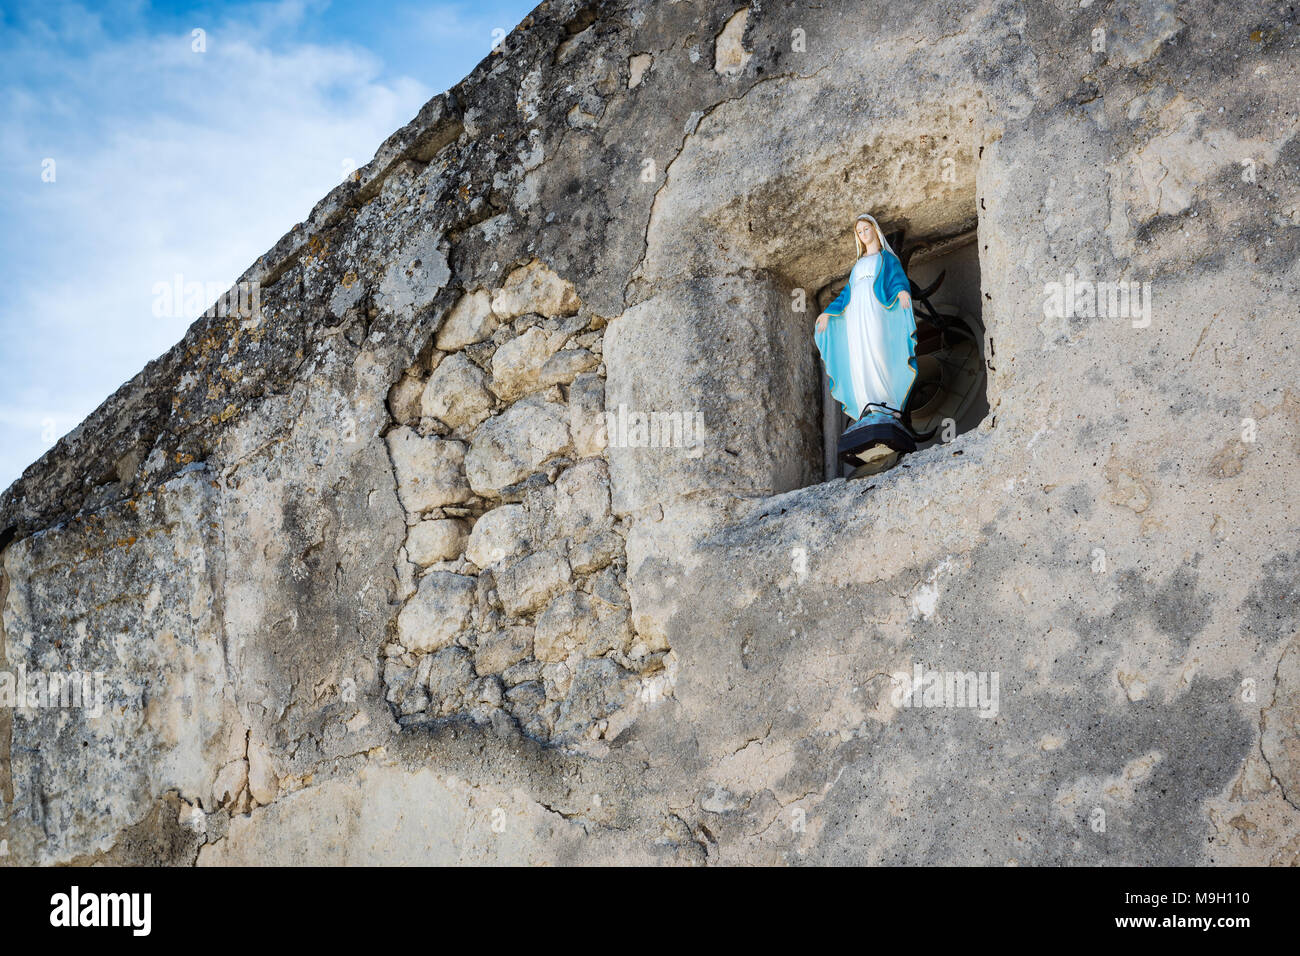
point(513, 570)
point(368, 580)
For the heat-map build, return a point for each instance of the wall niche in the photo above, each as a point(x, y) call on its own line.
point(950, 395)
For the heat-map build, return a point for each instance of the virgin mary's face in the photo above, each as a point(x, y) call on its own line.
point(865, 232)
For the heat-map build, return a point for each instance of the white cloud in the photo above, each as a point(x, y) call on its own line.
point(168, 161)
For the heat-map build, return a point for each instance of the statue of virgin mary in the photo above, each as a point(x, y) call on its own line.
point(867, 341)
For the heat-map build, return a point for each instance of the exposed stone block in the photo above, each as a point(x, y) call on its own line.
point(535, 288)
point(529, 583)
point(438, 612)
point(438, 539)
point(457, 394)
point(469, 321)
point(430, 471)
point(510, 446)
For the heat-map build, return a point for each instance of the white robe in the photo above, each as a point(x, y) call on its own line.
point(869, 333)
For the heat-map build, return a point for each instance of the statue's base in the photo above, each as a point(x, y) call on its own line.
point(872, 438)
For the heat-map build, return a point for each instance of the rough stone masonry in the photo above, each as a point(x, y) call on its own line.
point(367, 579)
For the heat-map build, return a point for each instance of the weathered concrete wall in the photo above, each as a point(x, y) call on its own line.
point(368, 580)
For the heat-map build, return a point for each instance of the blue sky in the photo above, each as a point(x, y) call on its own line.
point(128, 158)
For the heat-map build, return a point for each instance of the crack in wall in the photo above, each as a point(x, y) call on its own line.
point(1263, 720)
point(635, 275)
